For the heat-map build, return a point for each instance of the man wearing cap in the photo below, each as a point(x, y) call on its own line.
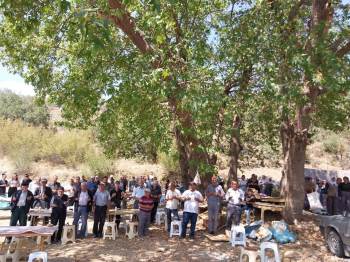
point(21, 202)
point(59, 212)
point(145, 206)
point(82, 207)
point(214, 195)
point(101, 203)
point(192, 198)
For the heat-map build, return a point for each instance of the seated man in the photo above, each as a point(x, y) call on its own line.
point(145, 209)
point(192, 198)
point(250, 199)
point(234, 196)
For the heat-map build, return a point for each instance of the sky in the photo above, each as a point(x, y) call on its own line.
point(17, 85)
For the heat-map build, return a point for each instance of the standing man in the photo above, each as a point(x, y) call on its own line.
point(146, 205)
point(21, 202)
point(138, 192)
point(234, 197)
point(3, 184)
point(82, 207)
point(101, 202)
point(214, 195)
point(156, 193)
point(117, 196)
point(192, 198)
point(55, 184)
point(43, 195)
point(345, 193)
point(59, 212)
point(132, 184)
point(13, 185)
point(172, 198)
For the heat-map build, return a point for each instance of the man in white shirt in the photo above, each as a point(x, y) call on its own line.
point(34, 185)
point(172, 198)
point(192, 198)
point(234, 196)
point(138, 192)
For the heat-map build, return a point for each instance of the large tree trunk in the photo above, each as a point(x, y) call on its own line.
point(235, 149)
point(294, 144)
point(183, 159)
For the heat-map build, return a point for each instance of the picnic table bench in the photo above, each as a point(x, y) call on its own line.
point(28, 232)
point(38, 213)
point(267, 206)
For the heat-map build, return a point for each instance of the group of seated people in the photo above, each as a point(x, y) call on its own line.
point(334, 194)
point(95, 196)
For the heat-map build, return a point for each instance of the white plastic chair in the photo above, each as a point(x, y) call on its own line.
point(160, 217)
point(238, 236)
point(264, 246)
point(38, 255)
point(131, 229)
point(252, 255)
point(110, 230)
point(175, 228)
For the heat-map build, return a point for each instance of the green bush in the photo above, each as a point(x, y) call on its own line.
point(99, 164)
point(24, 144)
point(334, 144)
point(16, 107)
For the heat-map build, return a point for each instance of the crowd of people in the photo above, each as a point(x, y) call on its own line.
point(94, 196)
point(334, 195)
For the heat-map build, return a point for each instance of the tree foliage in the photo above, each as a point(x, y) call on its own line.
point(14, 107)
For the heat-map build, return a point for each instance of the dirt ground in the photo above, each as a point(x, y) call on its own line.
point(309, 247)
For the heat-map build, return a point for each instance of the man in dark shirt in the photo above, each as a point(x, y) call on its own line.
point(43, 196)
point(3, 184)
point(156, 193)
point(345, 193)
point(116, 199)
point(21, 202)
point(55, 185)
point(253, 183)
point(59, 212)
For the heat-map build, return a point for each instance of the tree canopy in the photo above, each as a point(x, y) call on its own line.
point(197, 72)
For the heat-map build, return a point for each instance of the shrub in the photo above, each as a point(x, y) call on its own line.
point(99, 164)
point(16, 107)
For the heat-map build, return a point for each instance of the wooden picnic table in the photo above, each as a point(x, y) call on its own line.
point(112, 212)
point(267, 206)
point(28, 232)
point(273, 200)
point(36, 213)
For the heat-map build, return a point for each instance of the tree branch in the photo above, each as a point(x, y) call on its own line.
point(344, 50)
point(125, 22)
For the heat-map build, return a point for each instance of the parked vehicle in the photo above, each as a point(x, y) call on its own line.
point(336, 230)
